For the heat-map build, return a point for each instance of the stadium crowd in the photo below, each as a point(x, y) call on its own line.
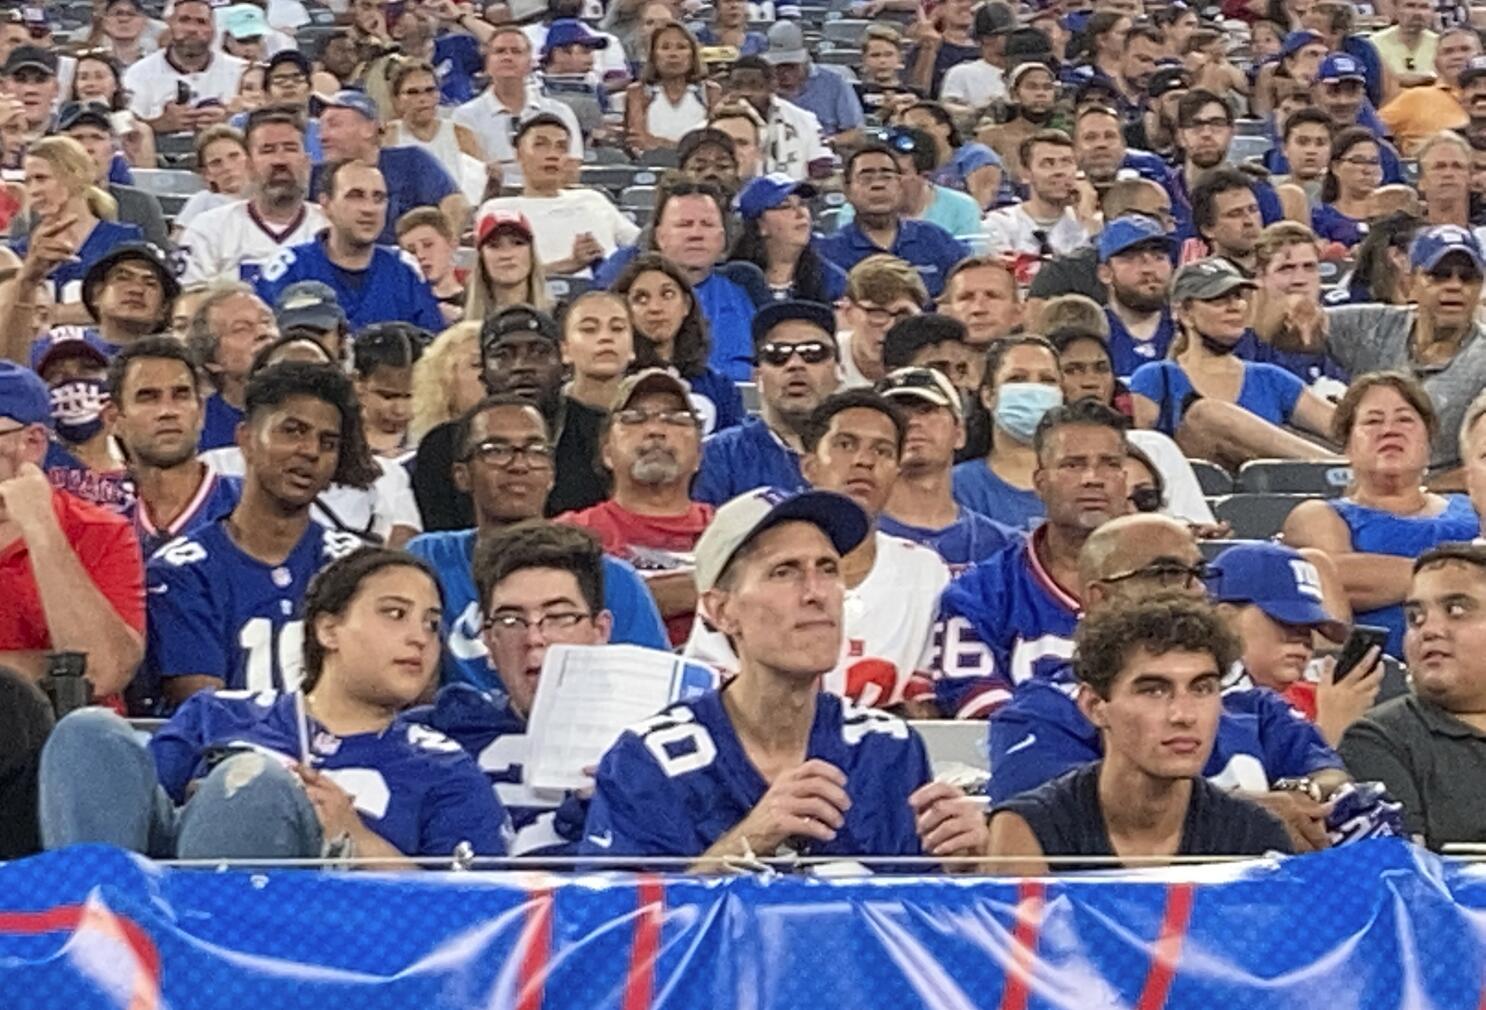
point(1106, 374)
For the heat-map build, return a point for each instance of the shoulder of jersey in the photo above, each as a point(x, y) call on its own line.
point(181, 552)
point(423, 737)
point(916, 554)
point(337, 544)
point(874, 722)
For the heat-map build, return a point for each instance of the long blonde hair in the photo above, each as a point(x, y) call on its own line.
point(76, 170)
point(481, 302)
point(433, 377)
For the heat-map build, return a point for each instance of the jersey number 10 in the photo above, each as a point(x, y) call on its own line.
point(260, 642)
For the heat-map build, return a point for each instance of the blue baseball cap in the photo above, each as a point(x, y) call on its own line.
point(1296, 41)
point(772, 315)
point(746, 516)
point(356, 101)
point(1276, 579)
point(571, 32)
point(1340, 67)
point(1130, 230)
point(23, 396)
point(70, 342)
point(1433, 244)
point(769, 191)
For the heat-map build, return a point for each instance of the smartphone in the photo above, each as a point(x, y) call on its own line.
point(182, 93)
point(1361, 638)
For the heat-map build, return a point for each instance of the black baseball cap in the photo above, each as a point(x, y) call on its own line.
point(993, 19)
point(293, 56)
point(814, 313)
point(91, 113)
point(29, 58)
point(518, 320)
point(700, 138)
point(1166, 80)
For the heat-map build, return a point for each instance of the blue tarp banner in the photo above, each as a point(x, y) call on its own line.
point(1373, 926)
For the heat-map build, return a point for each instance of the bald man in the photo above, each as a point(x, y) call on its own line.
point(1040, 733)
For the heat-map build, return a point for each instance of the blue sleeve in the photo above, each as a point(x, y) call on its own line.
point(118, 171)
point(185, 633)
point(833, 279)
point(711, 484)
point(729, 403)
point(608, 271)
point(1149, 382)
point(635, 810)
point(636, 617)
point(461, 807)
point(848, 106)
point(1392, 166)
point(1027, 749)
point(433, 182)
point(1270, 208)
point(750, 279)
point(968, 681)
point(1292, 744)
point(176, 746)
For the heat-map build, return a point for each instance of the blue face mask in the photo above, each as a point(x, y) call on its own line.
point(1020, 406)
point(77, 409)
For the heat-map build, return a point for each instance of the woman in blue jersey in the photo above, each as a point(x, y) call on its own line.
point(1346, 193)
point(775, 237)
point(1388, 518)
point(1191, 396)
point(68, 212)
point(333, 769)
point(671, 332)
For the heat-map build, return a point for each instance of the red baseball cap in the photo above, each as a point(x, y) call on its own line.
point(494, 220)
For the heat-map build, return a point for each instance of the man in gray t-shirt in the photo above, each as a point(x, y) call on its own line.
point(1438, 341)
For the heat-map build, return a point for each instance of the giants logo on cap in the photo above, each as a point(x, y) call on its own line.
point(1307, 579)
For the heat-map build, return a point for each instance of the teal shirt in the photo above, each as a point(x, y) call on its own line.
point(955, 212)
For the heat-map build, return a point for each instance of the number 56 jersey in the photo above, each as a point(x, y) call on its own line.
point(676, 783)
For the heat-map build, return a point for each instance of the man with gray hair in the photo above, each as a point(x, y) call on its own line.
point(227, 329)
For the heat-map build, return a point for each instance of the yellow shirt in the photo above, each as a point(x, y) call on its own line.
point(1419, 113)
point(1395, 55)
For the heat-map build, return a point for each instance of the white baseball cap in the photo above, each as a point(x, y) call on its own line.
point(746, 516)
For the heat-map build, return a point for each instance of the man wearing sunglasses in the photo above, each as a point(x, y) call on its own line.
point(797, 368)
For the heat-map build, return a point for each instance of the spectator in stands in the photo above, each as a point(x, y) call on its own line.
point(981, 292)
point(973, 85)
point(941, 41)
point(880, 291)
point(1307, 147)
point(1347, 193)
point(1473, 98)
point(575, 228)
point(670, 332)
point(382, 360)
point(650, 445)
point(776, 238)
point(82, 459)
point(98, 77)
point(1227, 216)
point(741, 122)
point(1010, 618)
point(673, 95)
point(880, 85)
point(787, 633)
point(936, 342)
point(125, 32)
point(792, 141)
point(708, 155)
point(424, 235)
point(1382, 272)
point(509, 100)
point(240, 239)
point(72, 570)
point(372, 282)
point(371, 647)
point(1135, 256)
point(301, 430)
point(1155, 130)
point(504, 463)
point(1384, 424)
point(1426, 746)
point(1033, 91)
point(826, 95)
point(287, 84)
point(507, 270)
point(729, 27)
point(921, 507)
point(446, 379)
point(1407, 47)
point(415, 97)
point(89, 124)
point(1288, 256)
point(598, 347)
point(1021, 384)
point(971, 168)
point(853, 444)
point(1420, 112)
point(1100, 152)
point(795, 346)
point(923, 199)
point(874, 188)
point(229, 326)
point(29, 74)
point(350, 131)
point(311, 309)
point(209, 75)
point(1444, 179)
point(1047, 222)
point(222, 163)
point(449, 37)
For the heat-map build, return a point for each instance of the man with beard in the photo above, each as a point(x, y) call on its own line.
point(792, 141)
point(798, 367)
point(1033, 91)
point(1135, 269)
point(1047, 223)
point(1204, 131)
point(1473, 98)
point(1144, 46)
point(1421, 112)
point(650, 444)
point(1155, 130)
point(188, 68)
point(373, 283)
point(709, 155)
point(238, 239)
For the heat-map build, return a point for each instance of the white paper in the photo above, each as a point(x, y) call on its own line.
point(587, 696)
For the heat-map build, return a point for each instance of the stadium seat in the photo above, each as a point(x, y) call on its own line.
point(749, 392)
point(565, 287)
point(163, 182)
point(1244, 148)
point(1212, 549)
point(637, 198)
point(847, 31)
point(616, 178)
point(1257, 516)
point(311, 37)
point(660, 157)
point(1250, 128)
point(607, 156)
point(320, 15)
point(1213, 479)
point(1293, 476)
point(176, 150)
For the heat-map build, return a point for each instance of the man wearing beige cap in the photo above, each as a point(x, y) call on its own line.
point(770, 764)
point(651, 442)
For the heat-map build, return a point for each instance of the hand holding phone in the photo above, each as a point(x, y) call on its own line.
point(1362, 638)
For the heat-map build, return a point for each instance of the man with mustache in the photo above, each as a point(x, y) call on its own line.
point(190, 68)
point(1135, 268)
point(1473, 98)
point(238, 239)
point(651, 443)
point(1033, 92)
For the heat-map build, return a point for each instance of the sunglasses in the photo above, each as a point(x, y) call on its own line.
point(812, 352)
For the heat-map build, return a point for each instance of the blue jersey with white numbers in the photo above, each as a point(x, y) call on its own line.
point(216, 611)
point(216, 496)
point(676, 783)
point(413, 786)
point(388, 289)
point(1041, 733)
point(546, 822)
point(1002, 623)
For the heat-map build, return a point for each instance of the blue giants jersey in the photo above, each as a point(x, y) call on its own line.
point(1042, 733)
point(216, 496)
point(387, 290)
point(676, 783)
point(219, 425)
point(970, 538)
point(213, 610)
point(413, 786)
point(547, 822)
point(1001, 624)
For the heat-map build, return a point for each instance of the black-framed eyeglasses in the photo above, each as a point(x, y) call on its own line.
point(812, 352)
point(1167, 574)
point(634, 417)
point(881, 317)
point(497, 452)
point(518, 625)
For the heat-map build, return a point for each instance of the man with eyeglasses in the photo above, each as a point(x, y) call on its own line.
point(1420, 112)
point(880, 291)
point(650, 444)
point(1047, 223)
point(795, 348)
point(1135, 267)
point(956, 211)
point(1204, 132)
point(504, 465)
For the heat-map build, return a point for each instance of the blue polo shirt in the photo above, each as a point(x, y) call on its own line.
point(832, 99)
point(928, 248)
point(743, 458)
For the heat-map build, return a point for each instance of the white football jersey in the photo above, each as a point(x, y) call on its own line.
point(234, 242)
point(887, 621)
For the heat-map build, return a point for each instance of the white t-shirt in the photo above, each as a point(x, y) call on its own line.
point(792, 140)
point(672, 122)
point(558, 220)
point(887, 623)
point(1011, 230)
point(152, 81)
point(492, 124)
point(233, 241)
point(1184, 497)
point(976, 84)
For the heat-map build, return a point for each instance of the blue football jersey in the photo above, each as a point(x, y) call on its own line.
point(1002, 623)
point(546, 822)
point(389, 289)
point(1041, 733)
point(676, 783)
point(970, 538)
point(214, 610)
point(217, 496)
point(413, 786)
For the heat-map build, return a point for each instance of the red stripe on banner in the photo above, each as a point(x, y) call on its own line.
point(1030, 902)
point(535, 945)
point(639, 981)
point(73, 917)
point(1167, 948)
